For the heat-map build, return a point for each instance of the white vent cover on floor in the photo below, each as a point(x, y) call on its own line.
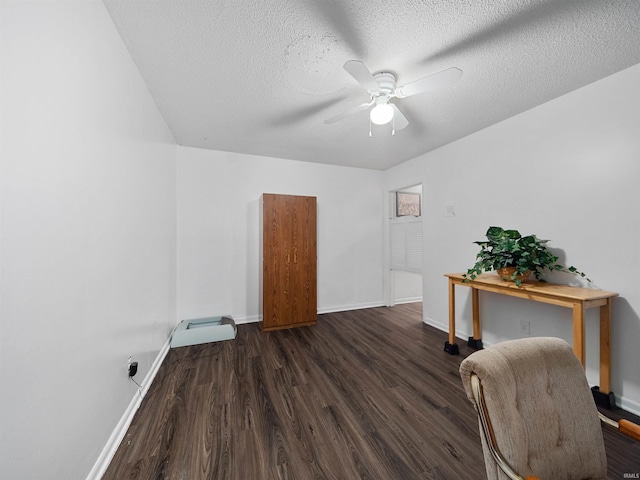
point(203, 330)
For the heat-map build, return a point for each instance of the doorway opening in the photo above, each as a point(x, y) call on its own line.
point(405, 247)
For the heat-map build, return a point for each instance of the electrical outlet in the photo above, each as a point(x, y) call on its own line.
point(525, 327)
point(132, 367)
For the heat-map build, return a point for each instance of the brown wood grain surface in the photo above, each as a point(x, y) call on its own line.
point(304, 286)
point(289, 261)
point(277, 225)
point(367, 394)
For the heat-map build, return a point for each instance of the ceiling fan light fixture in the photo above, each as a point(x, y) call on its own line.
point(382, 87)
point(381, 114)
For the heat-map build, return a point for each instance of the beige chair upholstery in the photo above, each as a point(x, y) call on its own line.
point(540, 410)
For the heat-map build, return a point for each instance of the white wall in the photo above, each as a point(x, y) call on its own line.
point(567, 170)
point(88, 236)
point(218, 226)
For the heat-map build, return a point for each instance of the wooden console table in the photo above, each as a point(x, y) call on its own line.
point(576, 298)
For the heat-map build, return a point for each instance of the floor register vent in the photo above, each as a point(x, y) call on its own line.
point(204, 330)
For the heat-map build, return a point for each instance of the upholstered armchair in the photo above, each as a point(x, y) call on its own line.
point(537, 416)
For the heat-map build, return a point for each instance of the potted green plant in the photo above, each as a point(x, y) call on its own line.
point(515, 257)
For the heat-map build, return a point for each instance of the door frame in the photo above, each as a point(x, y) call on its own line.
point(389, 215)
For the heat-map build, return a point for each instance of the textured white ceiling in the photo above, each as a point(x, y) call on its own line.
point(261, 76)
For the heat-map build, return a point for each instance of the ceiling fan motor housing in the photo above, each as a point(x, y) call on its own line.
point(386, 82)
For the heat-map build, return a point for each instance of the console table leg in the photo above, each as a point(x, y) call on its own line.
point(578, 332)
point(450, 346)
point(476, 340)
point(605, 347)
point(602, 394)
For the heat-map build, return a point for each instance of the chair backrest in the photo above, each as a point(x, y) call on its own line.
point(541, 410)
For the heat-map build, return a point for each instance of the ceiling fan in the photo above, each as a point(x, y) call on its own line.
point(382, 88)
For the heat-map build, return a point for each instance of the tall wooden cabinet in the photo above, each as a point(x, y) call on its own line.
point(289, 261)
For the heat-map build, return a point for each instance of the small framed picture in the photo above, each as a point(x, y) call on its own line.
point(407, 204)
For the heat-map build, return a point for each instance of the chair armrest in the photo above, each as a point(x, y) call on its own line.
point(629, 428)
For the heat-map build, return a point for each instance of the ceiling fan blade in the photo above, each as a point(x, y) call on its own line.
point(508, 26)
point(399, 120)
point(432, 82)
point(351, 111)
point(361, 73)
point(339, 19)
point(297, 115)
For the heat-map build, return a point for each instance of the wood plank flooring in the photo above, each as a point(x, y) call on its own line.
point(367, 394)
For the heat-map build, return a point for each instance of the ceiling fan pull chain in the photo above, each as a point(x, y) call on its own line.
point(370, 134)
point(393, 125)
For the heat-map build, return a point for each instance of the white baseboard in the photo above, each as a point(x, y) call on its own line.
point(109, 450)
point(628, 405)
point(440, 326)
point(346, 308)
point(247, 319)
point(342, 308)
point(401, 301)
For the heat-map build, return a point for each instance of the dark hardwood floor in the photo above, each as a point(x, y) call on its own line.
point(367, 394)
